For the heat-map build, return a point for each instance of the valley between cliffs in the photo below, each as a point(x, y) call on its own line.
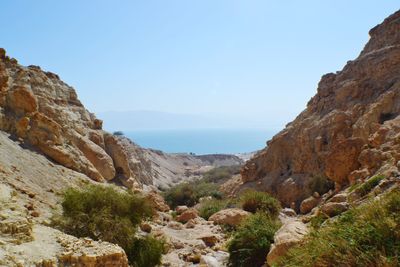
point(342, 152)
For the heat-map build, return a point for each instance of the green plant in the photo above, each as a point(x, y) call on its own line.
point(189, 193)
point(320, 184)
point(318, 220)
point(365, 236)
point(368, 185)
point(254, 201)
point(251, 242)
point(212, 206)
point(105, 213)
point(146, 251)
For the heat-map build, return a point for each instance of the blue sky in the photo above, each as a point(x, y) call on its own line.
point(249, 59)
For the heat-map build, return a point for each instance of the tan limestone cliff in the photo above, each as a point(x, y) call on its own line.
point(349, 131)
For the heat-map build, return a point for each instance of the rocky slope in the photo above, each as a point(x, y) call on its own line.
point(45, 114)
point(349, 130)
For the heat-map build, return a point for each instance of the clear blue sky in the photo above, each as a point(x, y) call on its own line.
point(251, 59)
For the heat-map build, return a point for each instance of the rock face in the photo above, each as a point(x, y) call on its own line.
point(349, 130)
point(44, 113)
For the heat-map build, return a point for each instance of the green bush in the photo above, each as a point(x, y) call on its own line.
point(365, 236)
point(251, 242)
point(320, 184)
point(103, 213)
point(146, 251)
point(254, 201)
point(212, 206)
point(189, 193)
point(368, 185)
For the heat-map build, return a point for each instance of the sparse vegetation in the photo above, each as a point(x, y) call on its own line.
point(254, 201)
point(221, 174)
point(251, 242)
point(189, 193)
point(368, 185)
point(212, 206)
point(365, 236)
point(104, 213)
point(320, 184)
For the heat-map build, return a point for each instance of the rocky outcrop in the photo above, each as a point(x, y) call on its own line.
point(44, 113)
point(45, 246)
point(349, 130)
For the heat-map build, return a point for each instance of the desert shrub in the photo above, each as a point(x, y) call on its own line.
point(320, 184)
point(104, 213)
point(189, 193)
point(254, 201)
point(368, 185)
point(146, 251)
point(251, 242)
point(212, 206)
point(318, 220)
point(221, 174)
point(365, 236)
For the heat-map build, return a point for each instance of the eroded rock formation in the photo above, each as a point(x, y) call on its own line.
point(349, 131)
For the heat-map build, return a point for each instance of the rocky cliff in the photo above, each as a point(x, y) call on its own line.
point(44, 114)
point(349, 131)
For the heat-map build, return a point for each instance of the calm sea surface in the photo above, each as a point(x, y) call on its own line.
point(202, 141)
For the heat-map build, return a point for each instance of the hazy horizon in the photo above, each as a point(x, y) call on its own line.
point(250, 64)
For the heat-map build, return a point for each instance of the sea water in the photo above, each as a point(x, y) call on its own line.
point(202, 141)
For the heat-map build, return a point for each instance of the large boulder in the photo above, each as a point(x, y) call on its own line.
point(290, 234)
point(232, 217)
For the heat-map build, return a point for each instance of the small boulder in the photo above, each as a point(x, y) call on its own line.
point(210, 240)
point(308, 204)
point(187, 215)
point(334, 208)
point(342, 197)
point(180, 209)
point(145, 227)
point(231, 217)
point(289, 212)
